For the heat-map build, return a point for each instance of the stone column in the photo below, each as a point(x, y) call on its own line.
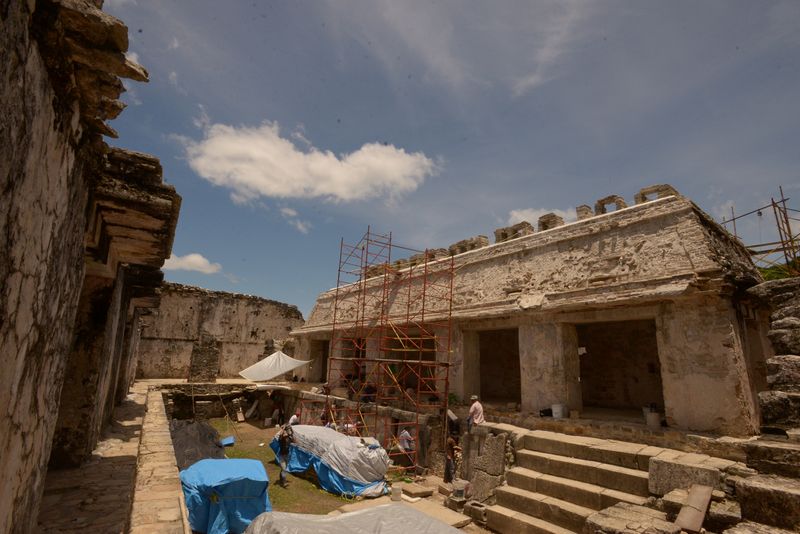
point(90, 366)
point(204, 366)
point(703, 368)
point(549, 366)
point(471, 364)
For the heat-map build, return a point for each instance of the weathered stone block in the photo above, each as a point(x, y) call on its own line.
point(492, 455)
point(623, 518)
point(510, 232)
point(783, 373)
point(659, 190)
point(779, 408)
point(550, 220)
point(667, 475)
point(785, 340)
point(482, 485)
point(584, 211)
point(476, 510)
point(600, 205)
point(774, 457)
point(748, 527)
point(771, 500)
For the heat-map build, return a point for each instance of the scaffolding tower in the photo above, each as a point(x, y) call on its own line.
point(782, 253)
point(390, 344)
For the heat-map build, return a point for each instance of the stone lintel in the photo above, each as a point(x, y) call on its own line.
point(600, 205)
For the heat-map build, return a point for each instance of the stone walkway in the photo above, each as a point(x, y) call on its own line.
point(97, 495)
point(158, 505)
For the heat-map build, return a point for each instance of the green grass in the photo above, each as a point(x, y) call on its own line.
point(302, 495)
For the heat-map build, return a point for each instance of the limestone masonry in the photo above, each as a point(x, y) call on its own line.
point(201, 334)
point(84, 230)
point(641, 307)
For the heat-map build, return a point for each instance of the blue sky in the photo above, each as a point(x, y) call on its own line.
point(288, 125)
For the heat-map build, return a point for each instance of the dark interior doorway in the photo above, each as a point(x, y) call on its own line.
point(619, 365)
point(499, 365)
point(320, 350)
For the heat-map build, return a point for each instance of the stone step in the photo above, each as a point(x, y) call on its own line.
point(623, 479)
point(771, 500)
point(612, 452)
point(507, 521)
point(574, 491)
point(559, 512)
point(779, 408)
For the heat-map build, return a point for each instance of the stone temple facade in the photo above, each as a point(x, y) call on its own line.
point(643, 306)
point(202, 335)
point(84, 230)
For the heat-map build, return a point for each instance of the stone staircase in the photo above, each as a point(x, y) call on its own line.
point(559, 480)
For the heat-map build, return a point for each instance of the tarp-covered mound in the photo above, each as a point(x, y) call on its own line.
point(386, 519)
point(194, 441)
point(344, 465)
point(224, 496)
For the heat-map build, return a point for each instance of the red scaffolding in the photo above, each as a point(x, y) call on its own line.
point(390, 343)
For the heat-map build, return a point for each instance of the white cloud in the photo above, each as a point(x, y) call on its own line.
point(256, 161)
point(173, 81)
point(132, 97)
point(532, 215)
point(174, 44)
point(191, 262)
point(292, 217)
point(557, 36)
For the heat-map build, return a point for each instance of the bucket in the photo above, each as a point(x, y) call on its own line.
point(458, 489)
point(397, 493)
point(267, 422)
point(654, 420)
point(558, 411)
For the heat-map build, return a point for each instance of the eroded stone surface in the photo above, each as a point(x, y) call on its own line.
point(770, 500)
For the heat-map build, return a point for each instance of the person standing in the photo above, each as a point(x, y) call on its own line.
point(284, 441)
point(295, 419)
point(475, 413)
point(451, 449)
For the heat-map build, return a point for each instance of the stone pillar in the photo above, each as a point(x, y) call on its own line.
point(204, 366)
point(549, 366)
point(127, 373)
point(703, 368)
point(471, 368)
point(90, 366)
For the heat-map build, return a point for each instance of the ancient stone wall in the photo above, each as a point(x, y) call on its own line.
point(644, 252)
point(43, 196)
point(59, 67)
point(245, 329)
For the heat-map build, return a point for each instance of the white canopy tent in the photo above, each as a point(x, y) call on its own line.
point(273, 365)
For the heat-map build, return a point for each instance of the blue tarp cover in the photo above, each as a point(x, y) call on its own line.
point(225, 495)
point(344, 465)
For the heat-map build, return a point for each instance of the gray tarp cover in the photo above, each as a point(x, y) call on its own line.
point(385, 519)
point(345, 454)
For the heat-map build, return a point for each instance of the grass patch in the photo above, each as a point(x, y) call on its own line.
point(302, 495)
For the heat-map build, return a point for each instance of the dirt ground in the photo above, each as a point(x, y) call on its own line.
point(302, 496)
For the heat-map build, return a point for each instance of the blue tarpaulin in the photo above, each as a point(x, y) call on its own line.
point(224, 496)
point(344, 465)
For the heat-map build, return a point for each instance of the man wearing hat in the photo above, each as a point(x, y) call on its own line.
point(475, 413)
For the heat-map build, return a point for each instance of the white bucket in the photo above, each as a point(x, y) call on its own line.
point(654, 420)
point(397, 493)
point(559, 410)
point(459, 487)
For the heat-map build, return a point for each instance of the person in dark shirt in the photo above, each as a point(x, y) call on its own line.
point(284, 440)
point(451, 449)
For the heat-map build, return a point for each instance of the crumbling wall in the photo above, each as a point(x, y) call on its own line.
point(245, 327)
point(59, 67)
point(43, 194)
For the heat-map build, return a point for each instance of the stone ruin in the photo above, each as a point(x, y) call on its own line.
point(85, 229)
point(203, 335)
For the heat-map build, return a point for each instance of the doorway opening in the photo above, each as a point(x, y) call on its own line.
point(499, 365)
point(619, 366)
